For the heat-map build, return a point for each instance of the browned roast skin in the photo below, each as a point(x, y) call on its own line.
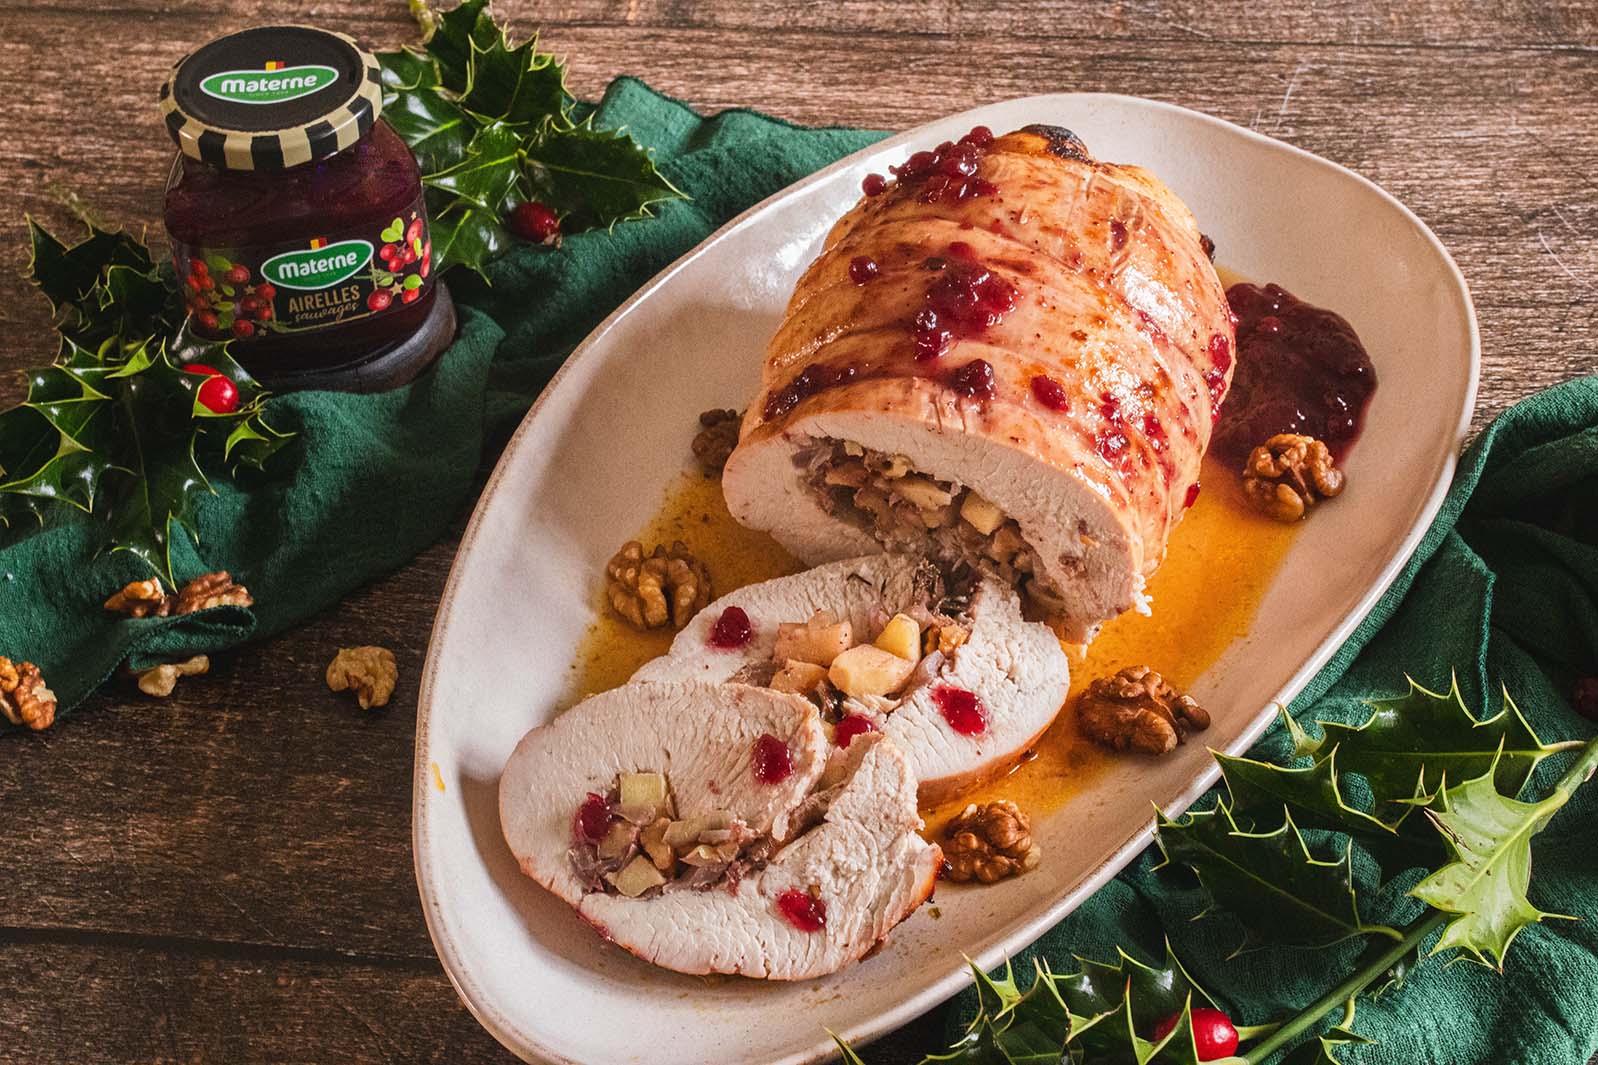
point(1117, 302)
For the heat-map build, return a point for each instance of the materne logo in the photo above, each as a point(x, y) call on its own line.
point(313, 268)
point(270, 86)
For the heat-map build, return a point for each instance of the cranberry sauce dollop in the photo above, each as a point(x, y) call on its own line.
point(593, 819)
point(844, 732)
point(803, 910)
point(965, 299)
point(1300, 369)
point(773, 763)
point(732, 630)
point(962, 710)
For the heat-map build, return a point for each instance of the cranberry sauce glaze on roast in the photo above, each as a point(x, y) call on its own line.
point(1300, 369)
point(1040, 336)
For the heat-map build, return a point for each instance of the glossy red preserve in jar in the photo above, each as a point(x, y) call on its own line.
point(296, 214)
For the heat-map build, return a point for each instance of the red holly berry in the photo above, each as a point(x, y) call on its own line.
point(410, 295)
point(388, 252)
point(248, 304)
point(205, 319)
point(198, 268)
point(206, 284)
point(263, 313)
point(1214, 1036)
point(193, 283)
point(413, 232)
point(216, 394)
point(533, 221)
point(379, 300)
point(265, 292)
point(427, 264)
point(242, 329)
point(408, 256)
point(236, 275)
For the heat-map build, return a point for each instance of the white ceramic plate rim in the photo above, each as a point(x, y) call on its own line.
point(523, 1043)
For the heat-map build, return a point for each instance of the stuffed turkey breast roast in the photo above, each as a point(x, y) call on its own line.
point(954, 675)
point(714, 828)
point(1010, 357)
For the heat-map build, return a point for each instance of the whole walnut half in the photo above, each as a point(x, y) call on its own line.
point(650, 591)
point(1136, 710)
point(24, 699)
point(989, 842)
point(160, 681)
point(141, 599)
point(211, 590)
point(718, 435)
point(370, 672)
point(1288, 473)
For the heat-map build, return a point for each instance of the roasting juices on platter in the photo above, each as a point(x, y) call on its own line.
point(981, 422)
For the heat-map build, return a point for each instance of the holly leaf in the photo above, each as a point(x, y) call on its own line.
point(455, 33)
point(1424, 736)
point(434, 126)
point(114, 426)
point(1269, 881)
point(595, 177)
point(477, 192)
point(491, 125)
point(517, 86)
point(1490, 836)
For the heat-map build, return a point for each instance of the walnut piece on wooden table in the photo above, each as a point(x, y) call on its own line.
point(1136, 709)
point(989, 842)
point(160, 681)
point(24, 698)
point(370, 672)
point(1288, 474)
point(650, 591)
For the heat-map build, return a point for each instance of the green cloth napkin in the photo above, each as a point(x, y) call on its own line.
point(372, 480)
point(1504, 589)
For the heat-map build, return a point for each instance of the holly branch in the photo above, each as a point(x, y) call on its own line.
point(1272, 883)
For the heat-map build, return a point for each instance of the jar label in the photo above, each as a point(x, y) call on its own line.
point(307, 284)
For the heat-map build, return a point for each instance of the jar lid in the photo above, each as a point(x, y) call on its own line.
point(271, 98)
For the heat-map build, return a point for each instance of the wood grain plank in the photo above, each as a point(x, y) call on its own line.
point(226, 876)
point(1431, 23)
point(109, 1004)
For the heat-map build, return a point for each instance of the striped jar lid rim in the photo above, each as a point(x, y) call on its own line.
point(272, 97)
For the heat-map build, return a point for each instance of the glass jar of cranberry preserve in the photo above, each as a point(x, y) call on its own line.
point(296, 216)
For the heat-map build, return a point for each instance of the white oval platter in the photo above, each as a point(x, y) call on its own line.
point(590, 462)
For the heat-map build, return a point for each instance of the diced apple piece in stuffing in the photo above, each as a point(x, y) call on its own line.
point(653, 840)
point(868, 670)
point(923, 493)
point(644, 789)
point(617, 840)
point(902, 637)
point(800, 677)
point(981, 515)
point(819, 640)
point(637, 877)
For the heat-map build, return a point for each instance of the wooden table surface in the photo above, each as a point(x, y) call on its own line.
point(225, 876)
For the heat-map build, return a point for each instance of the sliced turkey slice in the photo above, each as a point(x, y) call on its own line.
point(861, 868)
point(1015, 668)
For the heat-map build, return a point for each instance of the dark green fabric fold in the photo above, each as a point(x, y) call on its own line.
point(1504, 588)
